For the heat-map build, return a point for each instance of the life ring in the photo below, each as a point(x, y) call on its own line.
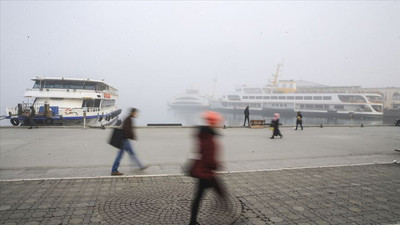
point(49, 121)
point(14, 121)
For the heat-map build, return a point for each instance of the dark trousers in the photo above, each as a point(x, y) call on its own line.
point(202, 186)
point(299, 123)
point(248, 120)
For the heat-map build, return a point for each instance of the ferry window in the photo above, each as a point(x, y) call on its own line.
point(37, 84)
point(309, 106)
point(352, 98)
point(88, 103)
point(97, 103)
point(317, 98)
point(376, 99)
point(266, 97)
point(88, 85)
point(245, 97)
point(258, 97)
point(53, 84)
point(319, 106)
point(307, 97)
point(299, 97)
point(258, 105)
point(290, 97)
point(301, 106)
point(396, 96)
point(252, 90)
point(73, 84)
point(377, 108)
point(252, 97)
point(234, 97)
point(326, 106)
point(327, 98)
point(339, 106)
point(274, 97)
point(282, 97)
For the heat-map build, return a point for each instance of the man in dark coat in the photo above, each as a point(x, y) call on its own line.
point(126, 146)
point(246, 116)
point(204, 168)
point(299, 120)
point(32, 117)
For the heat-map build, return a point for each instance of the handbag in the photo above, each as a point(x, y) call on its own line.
point(117, 137)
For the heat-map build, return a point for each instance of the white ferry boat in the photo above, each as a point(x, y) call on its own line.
point(192, 100)
point(282, 97)
point(67, 101)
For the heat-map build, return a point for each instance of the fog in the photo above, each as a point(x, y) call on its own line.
point(152, 51)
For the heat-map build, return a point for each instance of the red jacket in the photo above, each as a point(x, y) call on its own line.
point(204, 167)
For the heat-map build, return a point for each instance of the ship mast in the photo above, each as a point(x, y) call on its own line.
point(275, 82)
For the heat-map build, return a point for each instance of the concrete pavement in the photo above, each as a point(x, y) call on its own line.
point(68, 152)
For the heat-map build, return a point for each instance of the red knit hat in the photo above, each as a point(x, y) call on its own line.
point(212, 118)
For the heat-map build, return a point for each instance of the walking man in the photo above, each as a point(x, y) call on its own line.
point(32, 117)
point(299, 120)
point(126, 145)
point(246, 116)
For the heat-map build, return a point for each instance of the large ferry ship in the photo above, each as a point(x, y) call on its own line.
point(282, 97)
point(67, 101)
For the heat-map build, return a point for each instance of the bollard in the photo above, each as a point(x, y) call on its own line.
point(321, 126)
point(224, 126)
point(362, 125)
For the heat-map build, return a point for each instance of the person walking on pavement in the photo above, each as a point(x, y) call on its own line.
point(246, 116)
point(275, 125)
point(126, 146)
point(299, 120)
point(32, 117)
point(204, 168)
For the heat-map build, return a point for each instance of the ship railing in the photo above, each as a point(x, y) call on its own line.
point(23, 109)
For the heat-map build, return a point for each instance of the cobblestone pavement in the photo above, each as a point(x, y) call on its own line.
point(367, 194)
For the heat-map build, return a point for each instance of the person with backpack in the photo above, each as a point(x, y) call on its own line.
point(126, 145)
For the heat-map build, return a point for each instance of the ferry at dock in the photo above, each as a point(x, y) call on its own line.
point(283, 97)
point(67, 102)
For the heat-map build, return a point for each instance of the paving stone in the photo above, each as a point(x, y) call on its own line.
point(339, 195)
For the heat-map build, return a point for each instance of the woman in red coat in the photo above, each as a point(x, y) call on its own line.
point(204, 168)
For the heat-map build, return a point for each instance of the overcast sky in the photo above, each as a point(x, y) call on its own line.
point(153, 50)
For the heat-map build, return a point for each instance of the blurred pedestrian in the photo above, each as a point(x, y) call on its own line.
point(299, 120)
point(204, 168)
point(126, 145)
point(32, 116)
point(275, 125)
point(246, 116)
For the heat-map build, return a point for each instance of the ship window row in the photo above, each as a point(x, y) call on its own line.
point(355, 108)
point(107, 103)
point(95, 103)
point(241, 104)
point(67, 84)
point(289, 97)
